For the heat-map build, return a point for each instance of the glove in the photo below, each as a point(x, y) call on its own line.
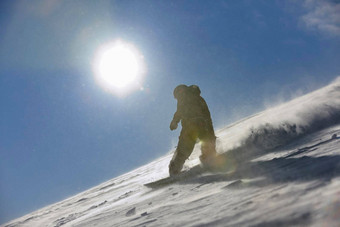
point(173, 125)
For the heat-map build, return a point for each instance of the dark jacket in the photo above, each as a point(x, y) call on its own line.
point(191, 106)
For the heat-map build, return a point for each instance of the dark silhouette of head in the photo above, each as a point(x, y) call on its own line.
point(180, 90)
point(183, 89)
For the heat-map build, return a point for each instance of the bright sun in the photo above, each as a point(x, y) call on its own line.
point(119, 67)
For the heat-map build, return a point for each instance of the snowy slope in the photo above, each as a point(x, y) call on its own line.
point(284, 170)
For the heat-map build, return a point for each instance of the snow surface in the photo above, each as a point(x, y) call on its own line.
point(284, 171)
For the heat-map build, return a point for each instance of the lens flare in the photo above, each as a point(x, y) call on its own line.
point(119, 67)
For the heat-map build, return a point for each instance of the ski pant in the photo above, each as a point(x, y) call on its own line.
point(192, 130)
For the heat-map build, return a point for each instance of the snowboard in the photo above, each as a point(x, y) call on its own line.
point(182, 176)
point(220, 166)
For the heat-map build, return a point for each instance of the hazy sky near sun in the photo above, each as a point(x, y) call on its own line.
point(61, 133)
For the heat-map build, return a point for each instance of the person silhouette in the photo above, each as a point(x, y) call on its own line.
point(194, 114)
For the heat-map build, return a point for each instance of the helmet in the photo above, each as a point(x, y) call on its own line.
point(179, 90)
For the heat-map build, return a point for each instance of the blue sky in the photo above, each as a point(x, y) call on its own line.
point(61, 133)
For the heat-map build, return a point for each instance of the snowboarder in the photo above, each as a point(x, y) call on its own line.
point(195, 118)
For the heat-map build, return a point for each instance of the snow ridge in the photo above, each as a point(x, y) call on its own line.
point(293, 183)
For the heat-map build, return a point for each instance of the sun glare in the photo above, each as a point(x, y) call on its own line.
point(119, 67)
